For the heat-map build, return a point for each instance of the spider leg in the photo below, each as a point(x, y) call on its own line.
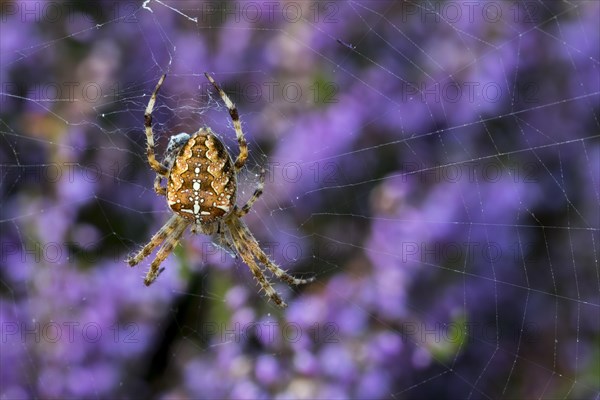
point(277, 271)
point(224, 242)
point(157, 239)
point(166, 249)
point(248, 258)
point(257, 252)
point(235, 117)
point(158, 188)
point(154, 164)
point(257, 193)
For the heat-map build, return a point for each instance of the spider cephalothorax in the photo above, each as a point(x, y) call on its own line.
point(201, 191)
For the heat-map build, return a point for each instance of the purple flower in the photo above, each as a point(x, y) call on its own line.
point(337, 362)
point(267, 370)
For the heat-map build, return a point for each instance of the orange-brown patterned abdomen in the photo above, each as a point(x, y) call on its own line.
point(201, 186)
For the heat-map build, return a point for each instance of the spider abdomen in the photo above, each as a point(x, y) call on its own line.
point(201, 186)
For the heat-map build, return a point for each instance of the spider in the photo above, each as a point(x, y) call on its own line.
point(201, 191)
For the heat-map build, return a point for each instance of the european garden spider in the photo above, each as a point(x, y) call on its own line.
point(201, 190)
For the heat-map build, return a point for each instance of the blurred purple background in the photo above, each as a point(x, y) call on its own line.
point(435, 166)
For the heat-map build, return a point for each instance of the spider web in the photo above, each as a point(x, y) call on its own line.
point(435, 165)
